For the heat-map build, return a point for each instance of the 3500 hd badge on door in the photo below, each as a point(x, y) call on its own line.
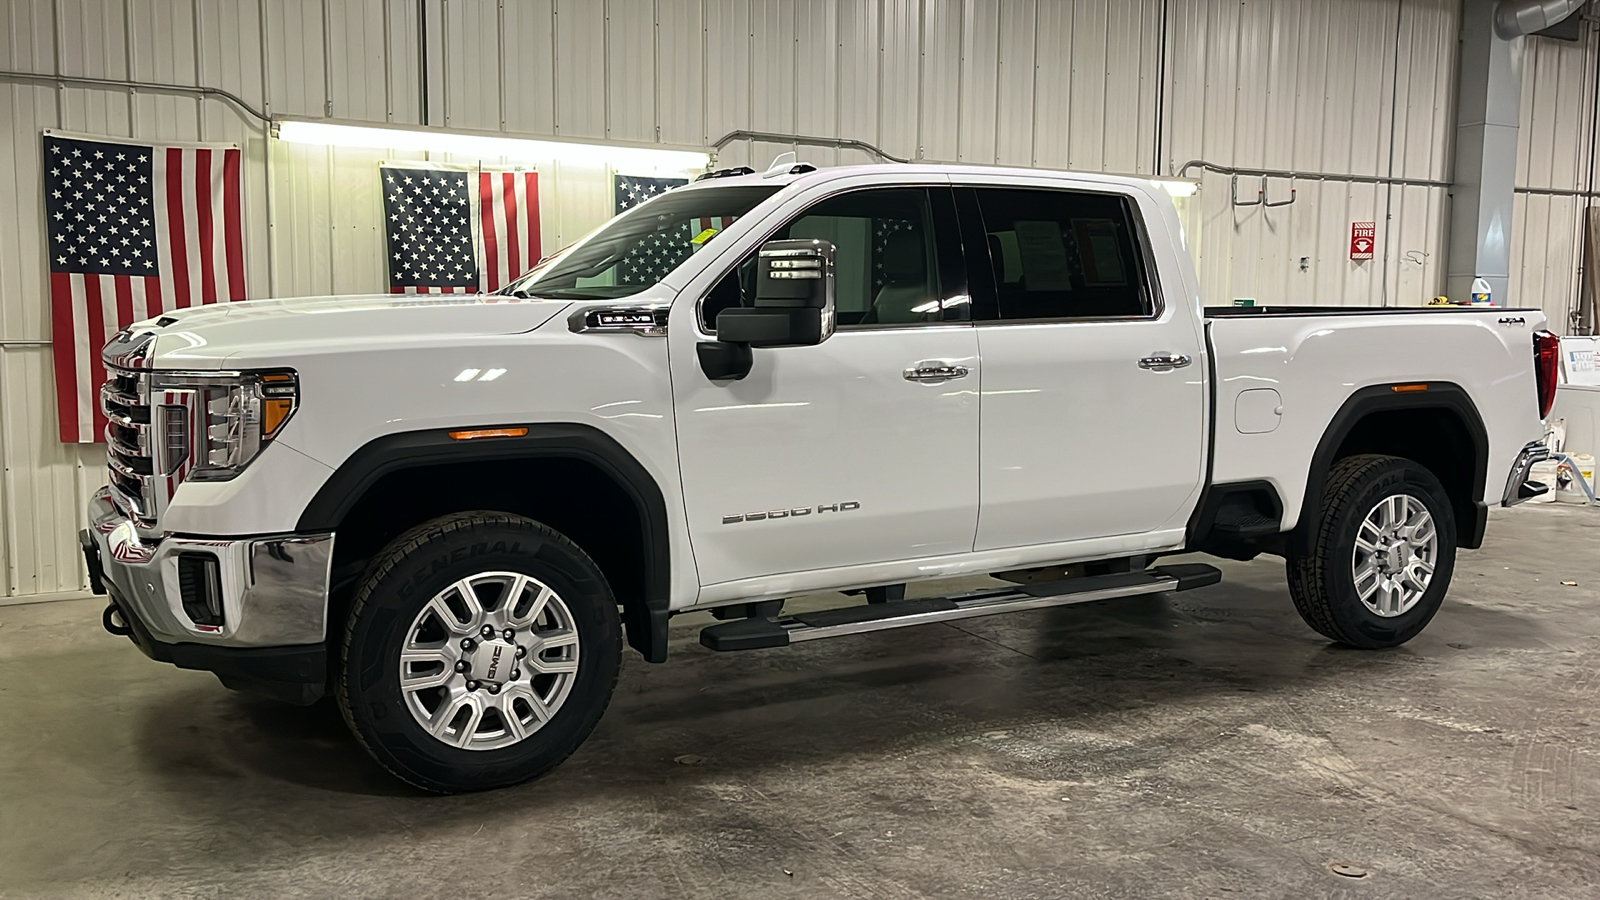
point(793, 513)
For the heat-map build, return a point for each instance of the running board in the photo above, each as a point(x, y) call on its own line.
point(758, 633)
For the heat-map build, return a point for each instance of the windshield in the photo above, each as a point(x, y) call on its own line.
point(640, 247)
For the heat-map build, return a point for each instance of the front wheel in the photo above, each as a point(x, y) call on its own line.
point(1381, 556)
point(479, 653)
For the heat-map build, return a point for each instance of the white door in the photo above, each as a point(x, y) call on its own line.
point(831, 456)
point(1093, 395)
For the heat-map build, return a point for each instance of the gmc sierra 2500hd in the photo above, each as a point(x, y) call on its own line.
point(448, 511)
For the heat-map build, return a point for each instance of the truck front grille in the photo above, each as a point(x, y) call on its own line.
point(125, 401)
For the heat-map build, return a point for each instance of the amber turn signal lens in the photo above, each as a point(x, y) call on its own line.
point(487, 433)
point(1408, 388)
point(274, 411)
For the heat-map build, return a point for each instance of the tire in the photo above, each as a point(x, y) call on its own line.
point(1324, 583)
point(488, 726)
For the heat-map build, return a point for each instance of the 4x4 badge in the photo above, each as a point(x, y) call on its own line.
point(794, 513)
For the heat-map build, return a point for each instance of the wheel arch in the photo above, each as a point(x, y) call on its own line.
point(592, 488)
point(1435, 424)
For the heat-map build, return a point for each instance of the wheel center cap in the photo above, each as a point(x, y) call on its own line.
point(492, 661)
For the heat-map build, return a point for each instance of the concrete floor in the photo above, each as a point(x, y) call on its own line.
point(1202, 745)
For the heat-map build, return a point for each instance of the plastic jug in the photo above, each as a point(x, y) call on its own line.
point(1567, 488)
point(1480, 293)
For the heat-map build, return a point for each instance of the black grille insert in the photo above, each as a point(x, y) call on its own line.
point(200, 587)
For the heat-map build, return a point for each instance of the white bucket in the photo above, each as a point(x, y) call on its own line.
point(1545, 473)
point(1569, 490)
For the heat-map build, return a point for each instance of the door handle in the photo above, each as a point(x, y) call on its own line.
point(935, 371)
point(1165, 362)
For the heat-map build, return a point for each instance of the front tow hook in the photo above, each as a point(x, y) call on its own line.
point(112, 620)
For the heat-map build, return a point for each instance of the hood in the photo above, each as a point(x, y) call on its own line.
point(264, 331)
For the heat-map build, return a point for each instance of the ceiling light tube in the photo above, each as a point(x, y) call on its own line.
point(487, 144)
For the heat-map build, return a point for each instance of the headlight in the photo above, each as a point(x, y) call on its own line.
point(215, 423)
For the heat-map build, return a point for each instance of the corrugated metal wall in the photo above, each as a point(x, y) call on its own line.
point(1555, 169)
point(1334, 87)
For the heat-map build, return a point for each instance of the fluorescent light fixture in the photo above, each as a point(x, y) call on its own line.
point(481, 144)
point(1178, 187)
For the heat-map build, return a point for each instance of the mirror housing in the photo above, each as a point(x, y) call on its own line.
point(794, 307)
point(794, 304)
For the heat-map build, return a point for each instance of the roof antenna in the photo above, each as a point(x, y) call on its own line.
point(781, 165)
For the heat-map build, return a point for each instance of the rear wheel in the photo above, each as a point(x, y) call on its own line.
point(480, 652)
point(1381, 557)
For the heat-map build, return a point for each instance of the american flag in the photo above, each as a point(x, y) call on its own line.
point(134, 230)
point(445, 238)
point(658, 254)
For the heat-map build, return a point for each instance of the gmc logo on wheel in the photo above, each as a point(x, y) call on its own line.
point(494, 663)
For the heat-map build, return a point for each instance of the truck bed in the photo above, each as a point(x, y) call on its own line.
point(1307, 363)
point(1226, 312)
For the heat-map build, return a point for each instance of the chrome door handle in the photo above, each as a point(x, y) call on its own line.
point(1165, 362)
point(932, 371)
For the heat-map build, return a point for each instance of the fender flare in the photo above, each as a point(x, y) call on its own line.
point(1384, 398)
point(645, 622)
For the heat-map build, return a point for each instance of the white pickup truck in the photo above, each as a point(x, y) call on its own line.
point(448, 511)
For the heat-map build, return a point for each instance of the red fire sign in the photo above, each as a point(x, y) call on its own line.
point(1363, 236)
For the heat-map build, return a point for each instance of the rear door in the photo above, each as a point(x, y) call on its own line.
point(1092, 420)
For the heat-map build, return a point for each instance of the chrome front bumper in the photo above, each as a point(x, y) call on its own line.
point(274, 587)
point(1518, 487)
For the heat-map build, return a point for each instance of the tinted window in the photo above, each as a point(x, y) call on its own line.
point(886, 261)
point(1061, 255)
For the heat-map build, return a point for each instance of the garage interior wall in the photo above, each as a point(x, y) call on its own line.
point(1353, 87)
point(1555, 170)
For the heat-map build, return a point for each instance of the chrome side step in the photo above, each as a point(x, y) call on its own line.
point(758, 633)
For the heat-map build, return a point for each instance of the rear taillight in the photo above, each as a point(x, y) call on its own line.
point(1546, 367)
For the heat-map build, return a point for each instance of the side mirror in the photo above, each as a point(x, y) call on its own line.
point(794, 307)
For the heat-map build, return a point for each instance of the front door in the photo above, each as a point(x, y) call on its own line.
point(847, 453)
point(1085, 433)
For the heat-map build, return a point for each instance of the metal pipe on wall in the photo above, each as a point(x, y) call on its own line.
point(1183, 172)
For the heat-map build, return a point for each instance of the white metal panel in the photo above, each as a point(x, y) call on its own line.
point(1555, 147)
point(580, 68)
point(727, 73)
point(632, 91)
point(980, 66)
point(473, 72)
point(1015, 115)
point(900, 76)
point(816, 75)
point(859, 102)
point(528, 62)
point(680, 77)
point(296, 72)
point(772, 64)
point(939, 119)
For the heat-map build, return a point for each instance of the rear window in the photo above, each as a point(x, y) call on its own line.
point(1062, 255)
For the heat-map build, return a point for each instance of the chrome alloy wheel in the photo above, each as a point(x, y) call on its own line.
point(489, 660)
point(1397, 548)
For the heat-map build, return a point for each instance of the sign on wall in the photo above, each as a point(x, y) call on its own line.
point(1363, 237)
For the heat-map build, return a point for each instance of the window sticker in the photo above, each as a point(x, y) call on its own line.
point(1101, 252)
point(1044, 256)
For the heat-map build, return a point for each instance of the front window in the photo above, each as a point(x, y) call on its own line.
point(640, 247)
